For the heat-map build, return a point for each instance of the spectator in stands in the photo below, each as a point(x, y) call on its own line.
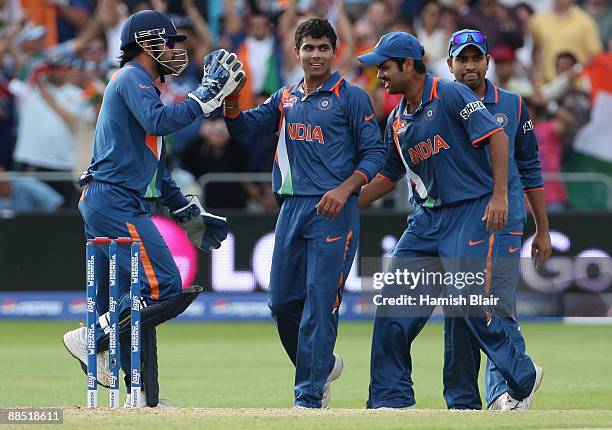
point(601, 11)
point(565, 28)
point(551, 129)
point(523, 66)
point(27, 195)
point(45, 140)
point(356, 8)
point(259, 50)
point(428, 30)
point(71, 17)
point(505, 73)
point(569, 90)
point(63, 19)
point(373, 24)
point(214, 151)
point(449, 20)
point(499, 23)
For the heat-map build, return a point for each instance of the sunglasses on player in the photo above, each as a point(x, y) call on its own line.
point(467, 37)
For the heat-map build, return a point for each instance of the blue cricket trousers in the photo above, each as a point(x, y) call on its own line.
point(446, 240)
point(113, 211)
point(461, 352)
point(312, 258)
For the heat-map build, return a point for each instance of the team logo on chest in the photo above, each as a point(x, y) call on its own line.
point(501, 119)
point(429, 114)
point(325, 103)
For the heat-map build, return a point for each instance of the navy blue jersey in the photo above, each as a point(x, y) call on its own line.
point(128, 146)
point(524, 170)
point(324, 136)
point(441, 146)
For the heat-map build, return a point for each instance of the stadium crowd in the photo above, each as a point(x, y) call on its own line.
point(56, 55)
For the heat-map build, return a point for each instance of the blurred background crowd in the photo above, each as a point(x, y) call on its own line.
point(57, 55)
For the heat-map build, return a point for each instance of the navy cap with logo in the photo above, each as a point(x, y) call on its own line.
point(397, 44)
point(466, 37)
point(149, 20)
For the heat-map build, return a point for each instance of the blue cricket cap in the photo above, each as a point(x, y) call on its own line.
point(466, 37)
point(396, 44)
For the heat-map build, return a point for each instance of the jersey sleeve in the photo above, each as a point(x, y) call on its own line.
point(365, 133)
point(144, 103)
point(470, 111)
point(526, 151)
point(171, 195)
point(393, 168)
point(262, 120)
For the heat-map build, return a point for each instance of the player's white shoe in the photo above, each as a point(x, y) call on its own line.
point(506, 402)
point(75, 342)
point(333, 375)
point(163, 403)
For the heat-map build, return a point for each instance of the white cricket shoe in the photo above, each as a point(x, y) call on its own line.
point(163, 403)
point(506, 402)
point(333, 375)
point(75, 342)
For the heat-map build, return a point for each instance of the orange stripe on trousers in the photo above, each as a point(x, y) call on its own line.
point(146, 263)
point(349, 236)
point(489, 271)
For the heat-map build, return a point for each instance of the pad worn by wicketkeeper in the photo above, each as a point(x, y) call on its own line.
point(128, 170)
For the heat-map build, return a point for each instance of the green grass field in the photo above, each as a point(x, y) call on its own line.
point(237, 376)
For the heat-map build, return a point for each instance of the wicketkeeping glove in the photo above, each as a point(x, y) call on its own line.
point(222, 74)
point(205, 230)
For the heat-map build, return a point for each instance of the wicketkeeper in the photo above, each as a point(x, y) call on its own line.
point(128, 171)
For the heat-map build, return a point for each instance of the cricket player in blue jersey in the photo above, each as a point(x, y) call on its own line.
point(329, 145)
point(455, 155)
point(468, 61)
point(128, 170)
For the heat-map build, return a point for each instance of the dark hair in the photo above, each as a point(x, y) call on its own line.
point(419, 66)
point(524, 5)
point(317, 29)
point(129, 53)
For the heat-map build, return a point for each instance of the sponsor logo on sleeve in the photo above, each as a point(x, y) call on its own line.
point(527, 126)
point(471, 108)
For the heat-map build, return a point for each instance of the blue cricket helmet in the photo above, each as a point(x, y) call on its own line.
point(148, 23)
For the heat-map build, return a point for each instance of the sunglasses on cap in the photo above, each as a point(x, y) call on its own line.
point(467, 37)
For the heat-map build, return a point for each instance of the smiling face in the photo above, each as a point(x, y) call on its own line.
point(316, 57)
point(469, 67)
point(394, 78)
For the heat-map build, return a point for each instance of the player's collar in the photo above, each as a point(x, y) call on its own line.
point(330, 85)
point(138, 66)
point(430, 90)
point(492, 94)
